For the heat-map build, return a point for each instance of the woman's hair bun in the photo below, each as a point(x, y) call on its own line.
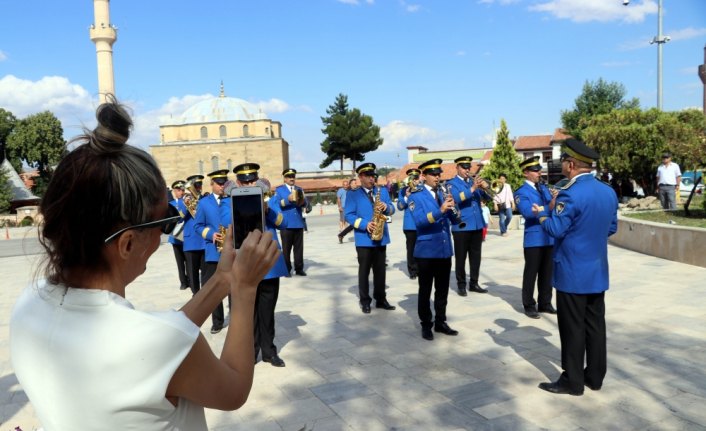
point(113, 129)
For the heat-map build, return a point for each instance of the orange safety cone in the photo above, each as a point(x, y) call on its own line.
point(7, 233)
point(321, 209)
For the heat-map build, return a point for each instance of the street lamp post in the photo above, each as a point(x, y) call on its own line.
point(659, 40)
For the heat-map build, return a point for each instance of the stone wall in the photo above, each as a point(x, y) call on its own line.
point(677, 243)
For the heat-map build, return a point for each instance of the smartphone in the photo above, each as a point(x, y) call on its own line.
point(247, 205)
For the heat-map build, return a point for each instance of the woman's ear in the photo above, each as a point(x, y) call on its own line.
point(126, 243)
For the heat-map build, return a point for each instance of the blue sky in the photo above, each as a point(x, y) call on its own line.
point(435, 73)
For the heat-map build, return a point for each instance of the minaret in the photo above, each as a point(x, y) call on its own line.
point(104, 35)
point(702, 75)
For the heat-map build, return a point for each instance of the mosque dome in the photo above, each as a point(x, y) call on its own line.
point(221, 109)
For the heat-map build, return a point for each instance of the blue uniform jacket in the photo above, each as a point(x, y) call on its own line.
point(275, 220)
point(209, 217)
point(403, 205)
point(192, 240)
point(291, 212)
point(359, 212)
point(468, 204)
point(433, 231)
point(525, 196)
point(584, 216)
point(175, 204)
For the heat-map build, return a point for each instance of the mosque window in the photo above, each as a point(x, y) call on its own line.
point(267, 131)
point(214, 163)
point(204, 132)
point(245, 131)
point(200, 167)
point(229, 162)
point(222, 131)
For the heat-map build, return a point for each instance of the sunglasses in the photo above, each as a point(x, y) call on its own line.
point(166, 224)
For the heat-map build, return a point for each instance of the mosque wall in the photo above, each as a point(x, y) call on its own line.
point(217, 131)
point(178, 161)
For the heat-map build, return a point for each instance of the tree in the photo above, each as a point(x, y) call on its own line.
point(630, 141)
point(349, 133)
point(595, 99)
point(7, 123)
point(37, 140)
point(504, 160)
point(5, 190)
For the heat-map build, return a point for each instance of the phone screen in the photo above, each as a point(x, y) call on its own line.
point(247, 216)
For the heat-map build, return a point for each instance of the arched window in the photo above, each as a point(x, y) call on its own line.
point(214, 163)
point(229, 162)
point(245, 130)
point(267, 131)
point(222, 131)
point(204, 132)
point(162, 138)
point(200, 167)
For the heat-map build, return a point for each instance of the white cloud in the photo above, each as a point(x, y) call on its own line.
point(398, 134)
point(461, 53)
point(616, 64)
point(70, 103)
point(597, 10)
point(273, 106)
point(3, 56)
point(687, 33)
point(411, 8)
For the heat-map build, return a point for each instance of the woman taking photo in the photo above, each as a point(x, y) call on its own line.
point(85, 357)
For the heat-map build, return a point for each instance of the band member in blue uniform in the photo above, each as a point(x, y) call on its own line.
point(584, 216)
point(408, 226)
point(246, 175)
point(371, 253)
point(214, 213)
point(432, 216)
point(193, 243)
point(468, 236)
point(176, 239)
point(291, 201)
point(538, 245)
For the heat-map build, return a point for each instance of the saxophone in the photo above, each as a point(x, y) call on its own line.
point(219, 244)
point(378, 218)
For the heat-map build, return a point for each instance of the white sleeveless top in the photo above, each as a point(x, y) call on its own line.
point(88, 360)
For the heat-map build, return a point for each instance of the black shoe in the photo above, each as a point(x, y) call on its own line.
point(275, 361)
point(531, 312)
point(302, 273)
point(557, 388)
point(182, 287)
point(427, 334)
point(592, 387)
point(384, 305)
point(462, 291)
point(444, 329)
point(340, 239)
point(413, 276)
point(215, 329)
point(476, 288)
point(365, 308)
point(547, 309)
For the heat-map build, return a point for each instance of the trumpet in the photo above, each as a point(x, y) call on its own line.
point(491, 188)
point(455, 210)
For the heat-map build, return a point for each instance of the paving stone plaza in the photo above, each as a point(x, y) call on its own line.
point(350, 371)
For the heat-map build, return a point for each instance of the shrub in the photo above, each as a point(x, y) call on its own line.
point(27, 221)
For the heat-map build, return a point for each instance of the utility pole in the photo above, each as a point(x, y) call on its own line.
point(659, 40)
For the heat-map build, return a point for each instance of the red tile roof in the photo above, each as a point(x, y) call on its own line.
point(560, 135)
point(539, 142)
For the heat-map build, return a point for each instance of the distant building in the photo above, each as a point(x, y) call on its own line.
point(220, 133)
point(547, 147)
point(22, 196)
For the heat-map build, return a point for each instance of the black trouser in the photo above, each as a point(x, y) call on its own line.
point(181, 264)
point(217, 317)
point(293, 238)
point(371, 257)
point(264, 324)
point(538, 267)
point(345, 231)
point(194, 267)
point(582, 332)
point(438, 273)
point(411, 236)
point(467, 242)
